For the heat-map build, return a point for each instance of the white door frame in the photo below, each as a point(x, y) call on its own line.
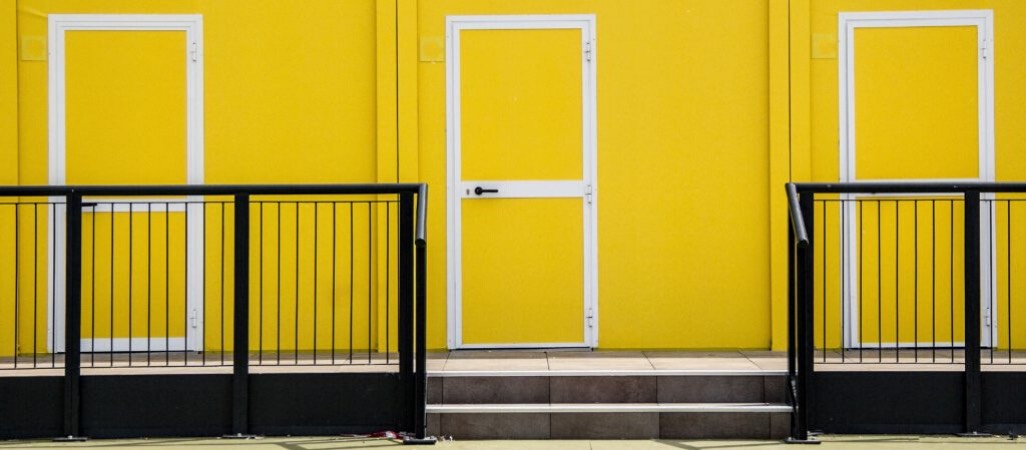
point(983, 20)
point(192, 25)
point(587, 189)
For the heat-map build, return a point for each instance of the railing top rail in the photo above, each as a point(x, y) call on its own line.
point(938, 187)
point(797, 222)
point(211, 189)
point(233, 189)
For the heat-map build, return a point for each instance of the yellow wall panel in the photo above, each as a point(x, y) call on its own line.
point(125, 104)
point(916, 105)
point(682, 168)
point(521, 105)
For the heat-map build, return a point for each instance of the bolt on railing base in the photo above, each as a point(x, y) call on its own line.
point(420, 441)
point(241, 436)
point(71, 439)
point(802, 441)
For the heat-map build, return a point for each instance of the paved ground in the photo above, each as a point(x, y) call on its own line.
point(341, 443)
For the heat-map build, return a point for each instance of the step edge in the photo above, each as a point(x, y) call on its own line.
point(610, 373)
point(609, 408)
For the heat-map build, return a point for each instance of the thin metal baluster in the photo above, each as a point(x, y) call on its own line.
point(295, 312)
point(223, 287)
point(149, 279)
point(334, 276)
point(370, 272)
point(185, 285)
point(203, 282)
point(92, 290)
point(167, 284)
point(112, 293)
point(951, 278)
point(277, 322)
point(1008, 276)
point(862, 279)
point(388, 281)
point(316, 206)
point(53, 288)
point(260, 288)
point(990, 284)
point(351, 251)
point(35, 283)
point(897, 281)
point(825, 347)
point(131, 266)
point(17, 283)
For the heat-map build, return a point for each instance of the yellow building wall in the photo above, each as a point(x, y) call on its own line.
point(704, 108)
point(683, 165)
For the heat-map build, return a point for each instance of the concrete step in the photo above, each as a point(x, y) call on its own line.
point(606, 387)
point(652, 404)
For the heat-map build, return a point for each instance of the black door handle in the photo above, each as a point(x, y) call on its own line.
point(480, 190)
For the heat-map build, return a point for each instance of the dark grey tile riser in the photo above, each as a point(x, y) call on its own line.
point(600, 389)
point(607, 389)
point(611, 425)
point(494, 390)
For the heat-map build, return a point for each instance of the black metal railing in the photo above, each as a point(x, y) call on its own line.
point(208, 277)
point(914, 276)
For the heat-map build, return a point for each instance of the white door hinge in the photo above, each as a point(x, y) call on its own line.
point(587, 51)
point(193, 318)
point(194, 51)
point(591, 317)
point(588, 191)
point(985, 50)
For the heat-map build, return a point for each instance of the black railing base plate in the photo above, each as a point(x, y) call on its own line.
point(420, 441)
point(974, 434)
point(802, 441)
point(71, 439)
point(241, 436)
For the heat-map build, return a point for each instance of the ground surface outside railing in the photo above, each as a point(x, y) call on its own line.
point(330, 442)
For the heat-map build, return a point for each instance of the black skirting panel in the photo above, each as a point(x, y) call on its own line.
point(887, 402)
point(1004, 402)
point(125, 406)
point(31, 407)
point(156, 405)
point(325, 403)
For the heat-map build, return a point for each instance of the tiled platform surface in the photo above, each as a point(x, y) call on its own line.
point(607, 394)
point(440, 364)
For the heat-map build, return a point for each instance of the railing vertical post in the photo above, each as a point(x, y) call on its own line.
point(973, 377)
point(72, 314)
point(804, 315)
point(792, 367)
point(420, 394)
point(240, 343)
point(406, 306)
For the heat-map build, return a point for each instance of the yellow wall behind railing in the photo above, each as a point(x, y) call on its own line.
point(705, 108)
